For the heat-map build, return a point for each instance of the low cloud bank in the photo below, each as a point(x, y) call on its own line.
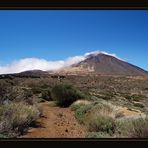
point(45, 65)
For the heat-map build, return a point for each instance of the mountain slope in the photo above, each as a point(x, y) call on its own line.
point(106, 65)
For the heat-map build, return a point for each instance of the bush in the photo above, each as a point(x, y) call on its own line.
point(97, 117)
point(102, 123)
point(133, 128)
point(16, 117)
point(46, 95)
point(65, 95)
point(5, 91)
point(74, 107)
point(81, 112)
point(36, 90)
point(139, 128)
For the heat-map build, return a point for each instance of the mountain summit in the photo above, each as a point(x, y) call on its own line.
point(104, 64)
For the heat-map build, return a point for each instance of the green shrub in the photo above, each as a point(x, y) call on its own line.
point(139, 128)
point(102, 123)
point(16, 117)
point(65, 95)
point(97, 117)
point(81, 112)
point(132, 128)
point(74, 107)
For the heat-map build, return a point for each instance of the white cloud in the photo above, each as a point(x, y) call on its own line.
point(35, 63)
point(103, 52)
point(42, 64)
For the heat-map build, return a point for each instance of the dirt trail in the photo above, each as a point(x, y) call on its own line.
point(56, 123)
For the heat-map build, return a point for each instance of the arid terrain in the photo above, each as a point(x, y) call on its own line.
point(56, 122)
point(128, 96)
point(75, 104)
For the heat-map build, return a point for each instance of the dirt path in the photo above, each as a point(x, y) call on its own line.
point(56, 123)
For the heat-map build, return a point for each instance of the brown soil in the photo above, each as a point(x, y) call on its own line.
point(56, 123)
point(128, 112)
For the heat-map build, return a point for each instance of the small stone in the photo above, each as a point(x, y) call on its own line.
point(66, 130)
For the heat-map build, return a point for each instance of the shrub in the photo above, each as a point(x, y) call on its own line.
point(77, 104)
point(97, 117)
point(139, 128)
point(81, 112)
point(46, 95)
point(133, 128)
point(65, 95)
point(102, 123)
point(74, 107)
point(16, 117)
point(36, 90)
point(5, 91)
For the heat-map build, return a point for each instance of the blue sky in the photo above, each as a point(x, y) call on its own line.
point(59, 34)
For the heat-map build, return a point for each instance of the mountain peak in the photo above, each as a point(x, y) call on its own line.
point(108, 64)
point(102, 63)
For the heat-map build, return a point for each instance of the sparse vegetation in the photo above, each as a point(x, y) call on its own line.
point(97, 117)
point(16, 117)
point(46, 95)
point(139, 105)
point(132, 128)
point(101, 120)
point(81, 112)
point(134, 97)
point(100, 117)
point(74, 107)
point(102, 123)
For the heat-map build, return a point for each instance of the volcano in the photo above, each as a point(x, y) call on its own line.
point(105, 65)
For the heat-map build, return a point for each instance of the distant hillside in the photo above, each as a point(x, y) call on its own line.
point(29, 73)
